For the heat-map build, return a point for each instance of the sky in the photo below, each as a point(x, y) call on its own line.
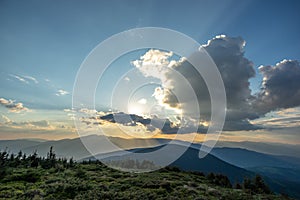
point(44, 43)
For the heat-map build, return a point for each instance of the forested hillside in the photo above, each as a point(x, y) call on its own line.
point(34, 177)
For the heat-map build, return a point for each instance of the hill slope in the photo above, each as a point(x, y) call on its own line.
point(236, 156)
point(189, 161)
point(95, 181)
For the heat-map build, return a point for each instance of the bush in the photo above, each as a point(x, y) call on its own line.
point(26, 176)
point(80, 173)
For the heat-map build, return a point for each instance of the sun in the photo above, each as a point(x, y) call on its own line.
point(136, 109)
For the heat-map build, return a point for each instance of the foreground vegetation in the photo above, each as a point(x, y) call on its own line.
point(33, 177)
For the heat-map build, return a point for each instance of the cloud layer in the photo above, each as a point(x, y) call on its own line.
point(166, 126)
point(12, 106)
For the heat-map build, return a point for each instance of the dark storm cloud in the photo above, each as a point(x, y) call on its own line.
point(280, 86)
point(240, 124)
point(235, 69)
point(164, 125)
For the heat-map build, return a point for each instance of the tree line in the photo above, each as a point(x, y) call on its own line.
point(21, 160)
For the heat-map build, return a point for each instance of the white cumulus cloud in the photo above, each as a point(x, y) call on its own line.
point(280, 84)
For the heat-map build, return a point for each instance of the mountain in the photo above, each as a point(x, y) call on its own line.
point(280, 172)
point(236, 156)
point(63, 148)
point(233, 155)
point(15, 146)
point(74, 147)
point(267, 148)
point(263, 147)
point(188, 161)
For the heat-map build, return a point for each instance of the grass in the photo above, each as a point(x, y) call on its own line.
point(96, 181)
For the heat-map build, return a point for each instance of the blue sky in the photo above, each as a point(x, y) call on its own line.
point(48, 40)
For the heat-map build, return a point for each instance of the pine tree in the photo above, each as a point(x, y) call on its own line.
point(260, 186)
point(52, 157)
point(34, 160)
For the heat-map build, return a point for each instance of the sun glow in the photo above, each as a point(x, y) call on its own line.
point(136, 109)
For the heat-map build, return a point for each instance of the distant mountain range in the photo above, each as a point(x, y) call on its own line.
point(73, 147)
point(188, 161)
point(237, 160)
point(64, 149)
point(247, 159)
point(263, 147)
